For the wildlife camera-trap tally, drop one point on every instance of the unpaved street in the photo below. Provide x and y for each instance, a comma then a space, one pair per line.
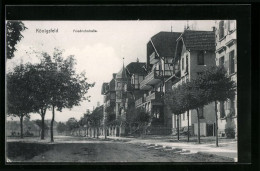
89, 150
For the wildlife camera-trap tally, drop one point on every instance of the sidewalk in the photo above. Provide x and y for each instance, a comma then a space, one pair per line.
227, 148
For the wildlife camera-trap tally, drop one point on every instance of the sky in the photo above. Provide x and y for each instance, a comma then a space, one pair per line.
99, 54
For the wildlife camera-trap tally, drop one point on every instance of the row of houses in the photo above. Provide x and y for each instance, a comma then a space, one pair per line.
172, 59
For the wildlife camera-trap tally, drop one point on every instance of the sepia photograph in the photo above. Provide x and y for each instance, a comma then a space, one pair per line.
121, 91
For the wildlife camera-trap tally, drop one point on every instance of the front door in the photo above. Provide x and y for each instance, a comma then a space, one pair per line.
209, 129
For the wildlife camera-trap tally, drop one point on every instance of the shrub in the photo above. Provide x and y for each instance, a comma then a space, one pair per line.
230, 132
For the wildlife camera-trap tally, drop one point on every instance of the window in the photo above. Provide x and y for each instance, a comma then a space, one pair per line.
119, 84
232, 107
222, 110
232, 25
187, 63
183, 118
221, 61
201, 113
119, 95
136, 82
113, 96
221, 29
182, 63
231, 62
201, 58
141, 78
132, 79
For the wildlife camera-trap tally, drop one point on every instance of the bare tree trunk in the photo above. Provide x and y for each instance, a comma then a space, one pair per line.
188, 115
43, 128
52, 120
216, 124
21, 126
178, 129
198, 125
105, 129
97, 131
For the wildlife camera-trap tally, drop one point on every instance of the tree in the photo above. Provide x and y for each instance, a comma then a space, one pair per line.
19, 96
186, 102
61, 127
96, 119
137, 117
39, 124
66, 88
218, 87
197, 98
39, 78
13, 36
173, 99
72, 124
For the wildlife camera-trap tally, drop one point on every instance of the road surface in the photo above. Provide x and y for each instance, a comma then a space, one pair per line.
89, 150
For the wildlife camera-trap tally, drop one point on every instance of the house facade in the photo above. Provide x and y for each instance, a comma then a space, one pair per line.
226, 56
160, 53
120, 95
195, 51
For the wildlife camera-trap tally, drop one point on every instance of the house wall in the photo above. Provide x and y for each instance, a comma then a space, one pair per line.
193, 69
223, 123
209, 60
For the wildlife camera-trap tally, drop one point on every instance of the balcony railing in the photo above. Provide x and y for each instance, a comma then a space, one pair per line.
139, 101
155, 96
152, 78
154, 58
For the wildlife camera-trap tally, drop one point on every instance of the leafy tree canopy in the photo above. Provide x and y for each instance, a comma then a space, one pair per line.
13, 36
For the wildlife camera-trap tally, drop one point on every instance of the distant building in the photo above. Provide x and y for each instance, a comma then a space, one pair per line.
226, 55
195, 50
120, 94
108, 90
127, 90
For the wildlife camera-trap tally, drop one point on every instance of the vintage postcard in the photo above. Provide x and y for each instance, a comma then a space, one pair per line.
121, 91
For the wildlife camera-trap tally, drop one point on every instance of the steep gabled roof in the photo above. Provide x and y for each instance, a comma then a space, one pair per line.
136, 68
122, 73
199, 40
165, 43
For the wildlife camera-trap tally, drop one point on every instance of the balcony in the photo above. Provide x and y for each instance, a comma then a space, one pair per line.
155, 98
154, 58
152, 78
139, 102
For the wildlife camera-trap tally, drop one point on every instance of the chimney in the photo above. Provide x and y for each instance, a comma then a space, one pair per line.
114, 75
214, 29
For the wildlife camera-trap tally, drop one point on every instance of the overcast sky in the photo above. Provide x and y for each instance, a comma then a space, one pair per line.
99, 53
